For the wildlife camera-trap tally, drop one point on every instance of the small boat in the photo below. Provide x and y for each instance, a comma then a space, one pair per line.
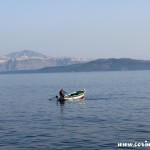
72, 96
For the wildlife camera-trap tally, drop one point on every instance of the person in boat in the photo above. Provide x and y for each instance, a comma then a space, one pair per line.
62, 93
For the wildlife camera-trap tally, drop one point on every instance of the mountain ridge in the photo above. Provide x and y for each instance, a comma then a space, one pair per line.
110, 64
31, 62
27, 53
29, 59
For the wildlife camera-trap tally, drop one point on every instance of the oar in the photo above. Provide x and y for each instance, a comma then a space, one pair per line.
52, 98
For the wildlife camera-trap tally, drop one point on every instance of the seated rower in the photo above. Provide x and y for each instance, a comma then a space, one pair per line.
62, 93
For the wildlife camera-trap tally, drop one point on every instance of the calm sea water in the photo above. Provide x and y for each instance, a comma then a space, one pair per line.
116, 109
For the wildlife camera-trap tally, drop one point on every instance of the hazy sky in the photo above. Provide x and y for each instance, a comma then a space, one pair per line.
80, 28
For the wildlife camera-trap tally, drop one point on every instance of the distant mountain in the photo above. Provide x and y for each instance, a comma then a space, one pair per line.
30, 60
25, 54
111, 64
27, 61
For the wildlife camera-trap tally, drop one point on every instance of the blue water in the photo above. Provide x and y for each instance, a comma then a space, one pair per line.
116, 109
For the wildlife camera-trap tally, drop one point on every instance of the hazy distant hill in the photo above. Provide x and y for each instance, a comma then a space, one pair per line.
111, 64
25, 54
29, 60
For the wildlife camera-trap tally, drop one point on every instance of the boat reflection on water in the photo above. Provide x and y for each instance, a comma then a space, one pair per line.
62, 103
